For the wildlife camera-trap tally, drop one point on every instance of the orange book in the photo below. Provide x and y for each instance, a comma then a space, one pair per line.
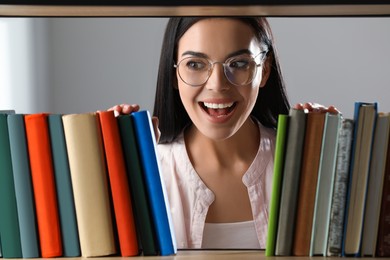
42, 175
119, 184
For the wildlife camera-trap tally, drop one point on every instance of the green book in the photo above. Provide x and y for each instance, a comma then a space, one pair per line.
23, 186
68, 222
9, 225
276, 184
137, 187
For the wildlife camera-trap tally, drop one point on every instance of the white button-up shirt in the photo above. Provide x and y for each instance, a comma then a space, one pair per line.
190, 199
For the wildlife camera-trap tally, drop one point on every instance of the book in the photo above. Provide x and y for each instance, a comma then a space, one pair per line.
325, 185
281, 133
89, 180
290, 183
42, 175
308, 183
64, 189
155, 186
23, 186
337, 212
375, 184
364, 116
119, 184
142, 214
9, 224
383, 242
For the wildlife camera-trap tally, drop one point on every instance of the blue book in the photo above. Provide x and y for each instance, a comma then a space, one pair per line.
68, 222
364, 118
23, 186
155, 186
9, 224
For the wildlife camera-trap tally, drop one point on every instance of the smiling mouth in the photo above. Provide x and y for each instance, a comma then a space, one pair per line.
218, 109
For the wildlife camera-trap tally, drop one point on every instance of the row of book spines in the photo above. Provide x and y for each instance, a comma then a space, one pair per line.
83, 178
305, 246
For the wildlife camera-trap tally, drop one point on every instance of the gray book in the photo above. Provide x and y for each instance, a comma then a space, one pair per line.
66, 208
337, 212
23, 186
290, 185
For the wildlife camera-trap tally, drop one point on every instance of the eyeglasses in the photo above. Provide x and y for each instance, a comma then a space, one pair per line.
240, 70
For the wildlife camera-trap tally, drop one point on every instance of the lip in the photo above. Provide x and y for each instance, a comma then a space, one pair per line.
221, 118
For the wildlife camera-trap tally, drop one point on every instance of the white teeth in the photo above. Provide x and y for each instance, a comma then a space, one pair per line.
216, 106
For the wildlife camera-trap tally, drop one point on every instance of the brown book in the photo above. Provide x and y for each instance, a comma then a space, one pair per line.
308, 183
383, 241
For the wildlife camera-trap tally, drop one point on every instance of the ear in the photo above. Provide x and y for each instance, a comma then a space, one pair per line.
266, 71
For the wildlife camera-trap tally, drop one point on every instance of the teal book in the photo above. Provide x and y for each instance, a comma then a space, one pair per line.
23, 186
68, 222
290, 182
277, 178
9, 224
141, 211
155, 186
365, 117
325, 185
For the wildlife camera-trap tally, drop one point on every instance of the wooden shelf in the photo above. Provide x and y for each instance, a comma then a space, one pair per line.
10, 10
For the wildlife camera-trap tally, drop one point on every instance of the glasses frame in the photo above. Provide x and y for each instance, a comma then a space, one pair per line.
225, 68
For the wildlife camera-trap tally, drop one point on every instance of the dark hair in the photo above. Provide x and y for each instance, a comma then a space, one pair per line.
272, 98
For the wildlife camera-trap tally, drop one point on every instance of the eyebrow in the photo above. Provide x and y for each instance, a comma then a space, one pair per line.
202, 55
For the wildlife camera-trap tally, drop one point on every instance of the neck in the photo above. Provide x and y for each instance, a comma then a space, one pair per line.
240, 147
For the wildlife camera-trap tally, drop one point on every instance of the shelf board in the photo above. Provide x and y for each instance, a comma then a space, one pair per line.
20, 10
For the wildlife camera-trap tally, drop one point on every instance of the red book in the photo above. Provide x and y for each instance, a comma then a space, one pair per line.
119, 184
42, 175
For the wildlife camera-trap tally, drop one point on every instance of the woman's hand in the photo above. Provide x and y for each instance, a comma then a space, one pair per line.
125, 109
317, 108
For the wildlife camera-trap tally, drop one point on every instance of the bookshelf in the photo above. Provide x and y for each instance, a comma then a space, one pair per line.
191, 8
143, 9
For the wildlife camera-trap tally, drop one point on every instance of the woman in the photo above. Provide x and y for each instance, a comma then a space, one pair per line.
218, 95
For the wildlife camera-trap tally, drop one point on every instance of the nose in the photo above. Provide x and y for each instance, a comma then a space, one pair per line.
217, 80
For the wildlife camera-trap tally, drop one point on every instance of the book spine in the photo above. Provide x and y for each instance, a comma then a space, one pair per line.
119, 184
154, 183
325, 185
276, 184
42, 172
336, 224
142, 213
383, 241
89, 180
9, 225
23, 186
68, 222
308, 183
290, 183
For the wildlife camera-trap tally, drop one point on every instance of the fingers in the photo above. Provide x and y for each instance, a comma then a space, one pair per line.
315, 107
124, 109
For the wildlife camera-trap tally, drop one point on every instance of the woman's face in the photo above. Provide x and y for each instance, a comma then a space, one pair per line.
219, 108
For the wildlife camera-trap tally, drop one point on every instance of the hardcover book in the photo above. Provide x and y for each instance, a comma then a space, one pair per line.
119, 184
155, 186
68, 222
89, 180
23, 186
9, 225
42, 172
277, 178
365, 115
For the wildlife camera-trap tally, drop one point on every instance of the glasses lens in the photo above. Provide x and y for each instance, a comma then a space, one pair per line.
240, 70
194, 71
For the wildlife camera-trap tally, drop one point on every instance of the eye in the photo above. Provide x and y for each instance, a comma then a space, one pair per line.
196, 64
239, 63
